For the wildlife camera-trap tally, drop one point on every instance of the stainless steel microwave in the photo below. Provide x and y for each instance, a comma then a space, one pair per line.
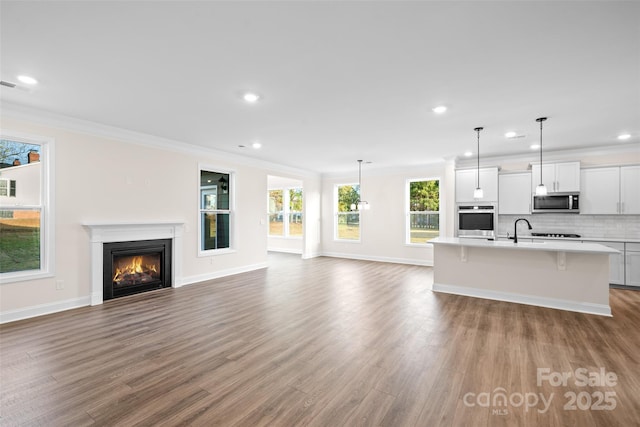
556, 202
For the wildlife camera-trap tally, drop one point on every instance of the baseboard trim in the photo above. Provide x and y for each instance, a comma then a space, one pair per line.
285, 250
311, 255
190, 280
425, 263
580, 307
42, 309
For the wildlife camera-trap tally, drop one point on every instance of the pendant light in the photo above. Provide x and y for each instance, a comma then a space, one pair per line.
361, 204
478, 193
541, 190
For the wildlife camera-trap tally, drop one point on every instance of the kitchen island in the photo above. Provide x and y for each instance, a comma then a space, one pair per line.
563, 275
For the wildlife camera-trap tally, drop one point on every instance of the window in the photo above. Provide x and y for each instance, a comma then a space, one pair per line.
26, 218
295, 212
423, 210
276, 213
8, 187
216, 210
347, 220
285, 212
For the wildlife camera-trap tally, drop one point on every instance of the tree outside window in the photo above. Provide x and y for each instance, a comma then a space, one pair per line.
285, 212
347, 220
423, 218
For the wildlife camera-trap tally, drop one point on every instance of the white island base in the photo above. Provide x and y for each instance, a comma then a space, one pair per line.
564, 275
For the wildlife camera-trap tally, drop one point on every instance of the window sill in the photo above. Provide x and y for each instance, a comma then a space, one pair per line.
23, 276
215, 252
346, 241
285, 237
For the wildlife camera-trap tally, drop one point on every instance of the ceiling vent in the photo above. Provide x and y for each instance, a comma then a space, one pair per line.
14, 86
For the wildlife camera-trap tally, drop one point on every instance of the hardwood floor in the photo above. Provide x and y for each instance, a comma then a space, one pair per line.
321, 342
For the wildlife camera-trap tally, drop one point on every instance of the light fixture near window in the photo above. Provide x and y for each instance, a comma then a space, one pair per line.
361, 204
478, 193
223, 184
541, 190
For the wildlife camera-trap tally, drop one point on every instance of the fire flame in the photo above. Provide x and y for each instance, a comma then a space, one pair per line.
134, 267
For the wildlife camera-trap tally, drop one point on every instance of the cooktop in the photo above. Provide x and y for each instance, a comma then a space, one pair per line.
570, 235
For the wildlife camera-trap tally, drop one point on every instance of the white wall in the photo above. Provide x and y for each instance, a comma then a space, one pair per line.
101, 179
382, 228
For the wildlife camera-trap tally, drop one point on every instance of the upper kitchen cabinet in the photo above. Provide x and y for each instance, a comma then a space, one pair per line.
630, 189
466, 182
514, 193
610, 191
557, 177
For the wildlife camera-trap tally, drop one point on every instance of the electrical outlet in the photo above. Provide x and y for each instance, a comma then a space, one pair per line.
59, 284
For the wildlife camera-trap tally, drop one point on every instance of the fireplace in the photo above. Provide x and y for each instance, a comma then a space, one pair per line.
136, 266
104, 233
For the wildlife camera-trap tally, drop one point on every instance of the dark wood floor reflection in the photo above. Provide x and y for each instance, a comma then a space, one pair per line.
324, 342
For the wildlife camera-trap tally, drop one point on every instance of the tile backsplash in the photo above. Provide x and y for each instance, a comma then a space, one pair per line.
591, 226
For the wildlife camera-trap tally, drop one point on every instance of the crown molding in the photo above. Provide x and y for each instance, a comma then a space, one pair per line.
425, 169
551, 156
47, 118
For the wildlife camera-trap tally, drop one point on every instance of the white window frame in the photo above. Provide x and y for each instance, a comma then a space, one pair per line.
337, 214
408, 212
231, 211
46, 207
286, 211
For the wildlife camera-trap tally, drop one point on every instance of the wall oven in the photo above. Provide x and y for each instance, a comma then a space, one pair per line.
477, 221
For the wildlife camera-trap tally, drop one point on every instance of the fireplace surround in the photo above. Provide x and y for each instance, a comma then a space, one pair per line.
103, 234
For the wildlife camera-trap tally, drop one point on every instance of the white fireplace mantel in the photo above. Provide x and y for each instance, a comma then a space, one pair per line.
104, 232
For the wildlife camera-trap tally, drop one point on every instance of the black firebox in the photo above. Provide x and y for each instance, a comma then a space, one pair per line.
137, 266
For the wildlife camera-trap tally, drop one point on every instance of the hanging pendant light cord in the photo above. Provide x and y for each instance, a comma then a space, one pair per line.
359, 181
478, 184
540, 152
540, 120
478, 129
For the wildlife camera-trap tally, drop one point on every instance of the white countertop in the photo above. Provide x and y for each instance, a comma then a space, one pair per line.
556, 246
577, 239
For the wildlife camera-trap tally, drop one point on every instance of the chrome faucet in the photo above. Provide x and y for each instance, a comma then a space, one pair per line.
515, 228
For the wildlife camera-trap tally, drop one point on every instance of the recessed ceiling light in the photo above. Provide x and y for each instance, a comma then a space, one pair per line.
256, 145
28, 80
624, 136
251, 97
510, 134
439, 109
534, 146
468, 154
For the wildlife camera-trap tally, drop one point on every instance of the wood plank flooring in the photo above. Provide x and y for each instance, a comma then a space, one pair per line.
321, 342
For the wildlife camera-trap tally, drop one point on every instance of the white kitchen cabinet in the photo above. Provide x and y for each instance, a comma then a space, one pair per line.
611, 190
514, 193
616, 263
632, 264
630, 190
557, 177
466, 182
600, 191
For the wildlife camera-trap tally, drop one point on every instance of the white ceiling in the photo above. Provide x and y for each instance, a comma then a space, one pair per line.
340, 81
